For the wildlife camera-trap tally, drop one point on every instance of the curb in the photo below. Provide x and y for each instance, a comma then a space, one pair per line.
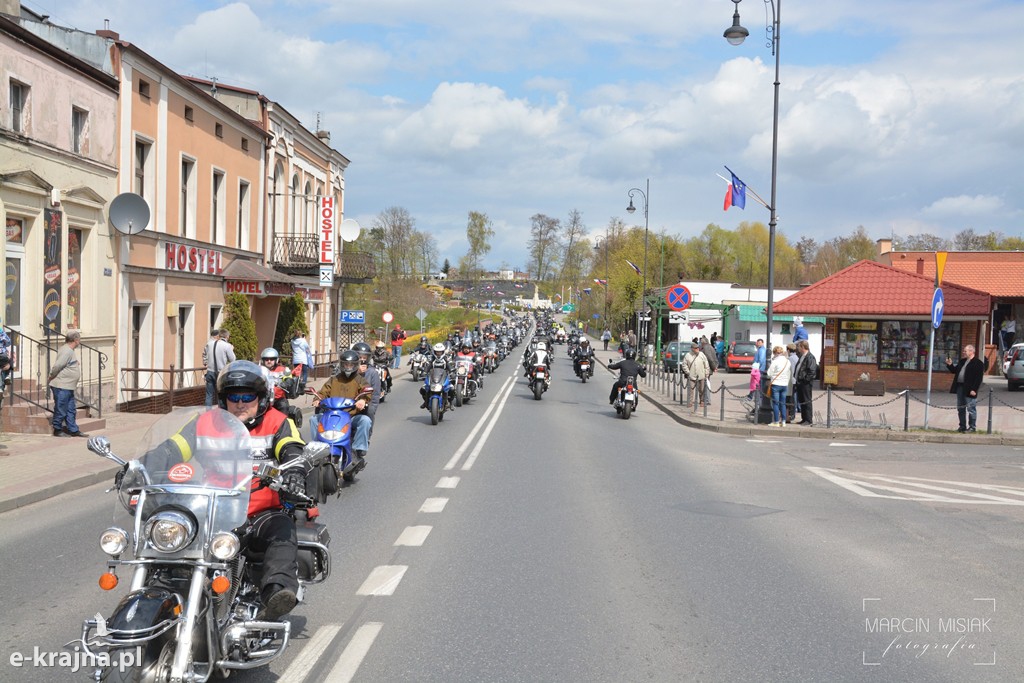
57, 489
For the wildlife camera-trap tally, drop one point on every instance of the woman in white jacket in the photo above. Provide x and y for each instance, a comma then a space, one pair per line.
779, 373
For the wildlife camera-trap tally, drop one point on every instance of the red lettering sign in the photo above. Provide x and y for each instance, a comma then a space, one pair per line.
193, 259
326, 209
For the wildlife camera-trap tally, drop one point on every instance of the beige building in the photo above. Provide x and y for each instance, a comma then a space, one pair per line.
58, 171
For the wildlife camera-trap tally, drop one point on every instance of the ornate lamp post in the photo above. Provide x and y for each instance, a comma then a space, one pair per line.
736, 34
643, 292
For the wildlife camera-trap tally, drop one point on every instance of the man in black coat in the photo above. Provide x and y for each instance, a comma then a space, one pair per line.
804, 375
966, 384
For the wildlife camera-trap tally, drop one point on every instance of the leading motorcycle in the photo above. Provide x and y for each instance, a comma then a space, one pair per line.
440, 393
628, 398
180, 532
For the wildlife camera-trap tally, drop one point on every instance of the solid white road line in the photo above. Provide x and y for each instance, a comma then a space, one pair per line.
447, 482
433, 505
348, 663
414, 535
840, 443
487, 432
480, 423
310, 654
383, 580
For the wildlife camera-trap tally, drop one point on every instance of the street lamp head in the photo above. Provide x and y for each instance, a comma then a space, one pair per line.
736, 34
631, 209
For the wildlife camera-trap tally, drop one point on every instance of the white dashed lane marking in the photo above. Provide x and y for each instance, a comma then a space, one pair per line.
433, 505
310, 654
348, 663
447, 482
414, 536
383, 580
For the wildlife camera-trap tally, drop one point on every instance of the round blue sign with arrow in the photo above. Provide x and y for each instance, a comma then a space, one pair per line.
938, 303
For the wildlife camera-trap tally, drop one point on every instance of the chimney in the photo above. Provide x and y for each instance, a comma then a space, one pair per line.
105, 32
11, 8
884, 246
324, 135
920, 266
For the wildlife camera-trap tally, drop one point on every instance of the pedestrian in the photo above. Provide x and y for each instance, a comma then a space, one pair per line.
806, 372
300, 357
720, 350
397, 339
217, 353
755, 381
709, 352
65, 374
969, 373
779, 372
761, 355
1008, 332
791, 354
606, 337
697, 371
799, 331
631, 339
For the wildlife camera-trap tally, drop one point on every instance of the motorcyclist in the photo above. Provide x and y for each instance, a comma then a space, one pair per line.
348, 383
540, 356
382, 360
424, 345
583, 350
372, 375
440, 355
627, 367
243, 391
280, 377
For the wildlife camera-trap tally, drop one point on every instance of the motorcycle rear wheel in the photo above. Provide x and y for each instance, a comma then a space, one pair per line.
583, 376
627, 410
538, 389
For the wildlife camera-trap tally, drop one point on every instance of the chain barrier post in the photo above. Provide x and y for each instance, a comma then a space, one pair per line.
828, 410
990, 407
721, 405
906, 409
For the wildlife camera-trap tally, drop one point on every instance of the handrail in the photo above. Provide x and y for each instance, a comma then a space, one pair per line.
172, 380
33, 359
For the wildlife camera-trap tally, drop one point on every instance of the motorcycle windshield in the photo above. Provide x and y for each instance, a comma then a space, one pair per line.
437, 376
191, 478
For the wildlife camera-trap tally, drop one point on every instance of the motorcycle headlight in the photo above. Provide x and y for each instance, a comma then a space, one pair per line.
331, 435
224, 545
113, 541
435, 387
170, 531
462, 370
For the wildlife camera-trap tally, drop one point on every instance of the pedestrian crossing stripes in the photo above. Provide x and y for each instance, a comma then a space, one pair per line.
920, 489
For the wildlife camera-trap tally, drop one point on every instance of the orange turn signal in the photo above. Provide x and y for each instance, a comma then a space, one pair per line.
108, 581
220, 584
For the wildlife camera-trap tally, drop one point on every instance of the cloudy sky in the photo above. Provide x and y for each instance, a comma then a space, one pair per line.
903, 116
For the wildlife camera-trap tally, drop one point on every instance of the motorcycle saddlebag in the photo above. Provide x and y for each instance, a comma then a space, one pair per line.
311, 562
323, 481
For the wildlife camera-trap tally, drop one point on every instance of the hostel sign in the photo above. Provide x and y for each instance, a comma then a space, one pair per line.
326, 214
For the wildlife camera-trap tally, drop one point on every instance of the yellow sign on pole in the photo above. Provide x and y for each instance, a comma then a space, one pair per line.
940, 265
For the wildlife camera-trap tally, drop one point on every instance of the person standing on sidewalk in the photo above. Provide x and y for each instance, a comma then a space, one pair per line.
779, 373
606, 337
697, 371
806, 372
217, 354
300, 356
65, 374
969, 373
397, 339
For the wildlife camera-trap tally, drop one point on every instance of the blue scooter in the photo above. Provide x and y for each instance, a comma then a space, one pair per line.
439, 388
332, 425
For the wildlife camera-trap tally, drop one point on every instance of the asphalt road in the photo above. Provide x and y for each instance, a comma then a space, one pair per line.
551, 541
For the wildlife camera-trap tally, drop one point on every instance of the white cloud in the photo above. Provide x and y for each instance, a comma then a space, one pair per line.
963, 205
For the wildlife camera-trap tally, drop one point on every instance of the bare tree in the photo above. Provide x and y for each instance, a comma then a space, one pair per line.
392, 231
543, 244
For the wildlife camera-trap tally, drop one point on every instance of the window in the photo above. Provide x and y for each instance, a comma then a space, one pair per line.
904, 345
184, 330
79, 130
243, 214
144, 89
142, 154
245, 144
189, 114
858, 342
214, 317
188, 198
217, 209
296, 216
307, 210
218, 130
19, 107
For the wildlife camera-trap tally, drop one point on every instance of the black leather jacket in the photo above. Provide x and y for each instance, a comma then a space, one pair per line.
628, 368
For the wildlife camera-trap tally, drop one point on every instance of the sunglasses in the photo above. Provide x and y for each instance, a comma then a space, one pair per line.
242, 398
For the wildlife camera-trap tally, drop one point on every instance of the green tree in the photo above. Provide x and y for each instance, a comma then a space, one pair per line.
479, 231
543, 244
291, 318
239, 322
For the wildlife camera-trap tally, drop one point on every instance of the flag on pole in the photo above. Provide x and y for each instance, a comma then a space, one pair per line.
558, 296
737, 195
586, 290
600, 281
634, 267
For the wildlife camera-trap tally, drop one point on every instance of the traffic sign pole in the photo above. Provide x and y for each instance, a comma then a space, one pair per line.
938, 304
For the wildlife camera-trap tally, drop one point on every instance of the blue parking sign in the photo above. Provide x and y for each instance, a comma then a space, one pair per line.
353, 317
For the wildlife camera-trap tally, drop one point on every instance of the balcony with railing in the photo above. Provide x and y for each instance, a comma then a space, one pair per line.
300, 255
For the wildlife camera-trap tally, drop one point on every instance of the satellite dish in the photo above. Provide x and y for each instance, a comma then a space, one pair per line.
349, 230
128, 213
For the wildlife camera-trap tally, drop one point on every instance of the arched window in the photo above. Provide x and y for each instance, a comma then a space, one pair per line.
277, 200
296, 203
307, 214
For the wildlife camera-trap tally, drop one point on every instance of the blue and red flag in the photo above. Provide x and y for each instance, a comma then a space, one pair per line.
634, 267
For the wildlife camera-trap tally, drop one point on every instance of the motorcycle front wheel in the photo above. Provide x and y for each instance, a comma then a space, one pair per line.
458, 398
435, 412
155, 667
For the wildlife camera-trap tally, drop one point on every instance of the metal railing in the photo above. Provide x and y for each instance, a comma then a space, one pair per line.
161, 381
33, 359
302, 252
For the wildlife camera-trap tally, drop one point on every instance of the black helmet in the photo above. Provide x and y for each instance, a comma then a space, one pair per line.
348, 363
363, 350
466, 345
244, 377
631, 353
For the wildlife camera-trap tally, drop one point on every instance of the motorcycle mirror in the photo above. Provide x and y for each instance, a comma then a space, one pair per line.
100, 445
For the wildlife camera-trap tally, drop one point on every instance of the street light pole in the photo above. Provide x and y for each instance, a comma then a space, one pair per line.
643, 292
735, 34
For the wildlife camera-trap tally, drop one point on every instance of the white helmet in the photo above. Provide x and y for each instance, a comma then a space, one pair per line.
439, 349
541, 346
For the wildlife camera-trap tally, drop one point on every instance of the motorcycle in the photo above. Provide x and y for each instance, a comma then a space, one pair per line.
385, 378
181, 530
439, 390
628, 399
419, 365
465, 382
491, 357
539, 379
332, 424
585, 369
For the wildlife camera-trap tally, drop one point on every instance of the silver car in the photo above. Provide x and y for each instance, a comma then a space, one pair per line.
1013, 367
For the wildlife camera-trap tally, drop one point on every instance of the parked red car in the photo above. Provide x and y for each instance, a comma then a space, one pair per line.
740, 356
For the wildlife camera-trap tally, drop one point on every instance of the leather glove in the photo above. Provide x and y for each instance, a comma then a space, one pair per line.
119, 477
293, 484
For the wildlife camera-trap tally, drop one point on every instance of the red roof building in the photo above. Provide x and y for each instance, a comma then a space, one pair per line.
879, 323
